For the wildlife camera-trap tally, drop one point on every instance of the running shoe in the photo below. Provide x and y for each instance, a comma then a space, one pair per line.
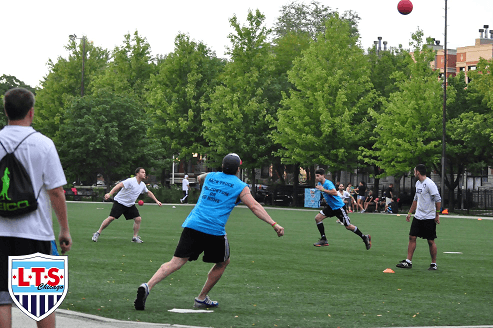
142, 293
207, 303
367, 240
95, 236
137, 240
321, 242
404, 264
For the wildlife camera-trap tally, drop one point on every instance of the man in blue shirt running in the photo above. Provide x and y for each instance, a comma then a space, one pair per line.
335, 207
204, 229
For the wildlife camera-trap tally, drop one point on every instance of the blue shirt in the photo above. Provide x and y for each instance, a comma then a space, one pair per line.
335, 202
216, 201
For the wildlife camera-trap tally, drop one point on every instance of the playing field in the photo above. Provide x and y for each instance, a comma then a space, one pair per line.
285, 282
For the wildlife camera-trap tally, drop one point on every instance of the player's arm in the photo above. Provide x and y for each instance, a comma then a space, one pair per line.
201, 179
114, 190
257, 209
151, 195
332, 192
57, 199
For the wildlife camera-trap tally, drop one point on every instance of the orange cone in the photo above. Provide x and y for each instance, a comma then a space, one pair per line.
388, 270
445, 211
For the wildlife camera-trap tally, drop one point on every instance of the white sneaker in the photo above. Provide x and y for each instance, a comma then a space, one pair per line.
137, 240
95, 236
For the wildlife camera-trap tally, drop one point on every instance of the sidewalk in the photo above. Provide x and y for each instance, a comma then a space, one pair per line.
72, 319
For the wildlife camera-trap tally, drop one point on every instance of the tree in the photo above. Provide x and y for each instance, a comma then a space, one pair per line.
63, 83
130, 69
104, 133
331, 97
310, 19
408, 130
177, 94
8, 82
237, 119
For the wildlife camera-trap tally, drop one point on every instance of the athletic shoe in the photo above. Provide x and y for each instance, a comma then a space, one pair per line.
95, 236
142, 293
207, 303
362, 211
339, 221
137, 240
321, 242
181, 201
404, 264
433, 267
367, 240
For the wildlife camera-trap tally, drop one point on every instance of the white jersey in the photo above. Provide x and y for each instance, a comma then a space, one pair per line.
184, 184
426, 195
40, 158
130, 192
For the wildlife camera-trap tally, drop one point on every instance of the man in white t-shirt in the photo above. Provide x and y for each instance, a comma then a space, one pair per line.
31, 232
125, 203
184, 186
427, 203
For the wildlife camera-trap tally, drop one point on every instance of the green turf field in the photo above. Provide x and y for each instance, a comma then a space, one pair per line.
285, 282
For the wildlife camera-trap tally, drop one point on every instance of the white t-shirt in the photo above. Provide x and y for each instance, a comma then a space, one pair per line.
344, 194
40, 159
184, 184
426, 195
130, 192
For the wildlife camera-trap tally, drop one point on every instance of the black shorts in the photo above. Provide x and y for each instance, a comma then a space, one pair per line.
340, 213
193, 243
426, 229
118, 209
13, 246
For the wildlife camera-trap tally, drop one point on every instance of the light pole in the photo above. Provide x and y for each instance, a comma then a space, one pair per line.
73, 37
444, 115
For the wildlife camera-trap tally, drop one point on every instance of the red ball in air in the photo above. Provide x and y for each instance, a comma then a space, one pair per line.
405, 7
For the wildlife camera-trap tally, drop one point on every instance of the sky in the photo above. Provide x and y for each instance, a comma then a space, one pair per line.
35, 31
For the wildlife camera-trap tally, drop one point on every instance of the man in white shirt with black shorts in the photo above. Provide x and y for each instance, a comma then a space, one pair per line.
427, 203
125, 203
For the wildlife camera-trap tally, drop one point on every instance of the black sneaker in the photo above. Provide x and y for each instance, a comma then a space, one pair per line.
404, 265
142, 293
321, 242
433, 267
367, 240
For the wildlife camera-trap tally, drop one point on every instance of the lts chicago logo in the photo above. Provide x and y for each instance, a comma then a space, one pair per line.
38, 283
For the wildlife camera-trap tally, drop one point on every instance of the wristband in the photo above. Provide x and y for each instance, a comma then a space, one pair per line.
273, 224
409, 213
438, 211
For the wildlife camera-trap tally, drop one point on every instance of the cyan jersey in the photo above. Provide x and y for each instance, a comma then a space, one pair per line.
335, 202
216, 201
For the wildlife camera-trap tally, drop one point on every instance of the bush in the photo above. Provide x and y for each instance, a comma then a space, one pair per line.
171, 195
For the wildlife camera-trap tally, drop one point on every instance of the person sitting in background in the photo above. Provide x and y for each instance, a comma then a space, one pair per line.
369, 200
393, 207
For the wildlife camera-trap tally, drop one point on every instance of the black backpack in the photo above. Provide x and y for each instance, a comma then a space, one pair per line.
17, 194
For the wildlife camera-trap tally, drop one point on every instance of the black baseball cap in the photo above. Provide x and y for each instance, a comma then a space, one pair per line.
231, 162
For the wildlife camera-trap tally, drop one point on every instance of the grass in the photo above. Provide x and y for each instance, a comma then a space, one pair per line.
285, 282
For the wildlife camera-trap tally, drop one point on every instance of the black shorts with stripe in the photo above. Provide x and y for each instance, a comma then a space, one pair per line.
193, 243
340, 213
426, 229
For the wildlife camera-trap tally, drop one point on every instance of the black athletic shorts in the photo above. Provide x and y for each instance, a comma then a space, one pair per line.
193, 243
118, 209
13, 246
340, 213
426, 229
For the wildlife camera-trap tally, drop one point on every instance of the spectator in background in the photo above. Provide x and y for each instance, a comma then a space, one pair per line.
389, 194
393, 207
361, 190
100, 180
369, 200
184, 187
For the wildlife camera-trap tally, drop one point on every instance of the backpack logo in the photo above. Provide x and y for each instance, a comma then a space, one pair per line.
38, 283
5, 185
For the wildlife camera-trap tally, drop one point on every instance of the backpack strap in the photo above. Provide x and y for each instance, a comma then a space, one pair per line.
24, 139
19, 142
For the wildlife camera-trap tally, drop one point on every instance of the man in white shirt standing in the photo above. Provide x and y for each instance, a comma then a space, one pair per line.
30, 232
427, 203
184, 186
125, 203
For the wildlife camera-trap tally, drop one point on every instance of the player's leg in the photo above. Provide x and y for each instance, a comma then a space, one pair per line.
48, 322
136, 227
6, 315
320, 226
344, 218
213, 277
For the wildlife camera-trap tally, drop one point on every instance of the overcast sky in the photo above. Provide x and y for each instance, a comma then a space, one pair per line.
35, 31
